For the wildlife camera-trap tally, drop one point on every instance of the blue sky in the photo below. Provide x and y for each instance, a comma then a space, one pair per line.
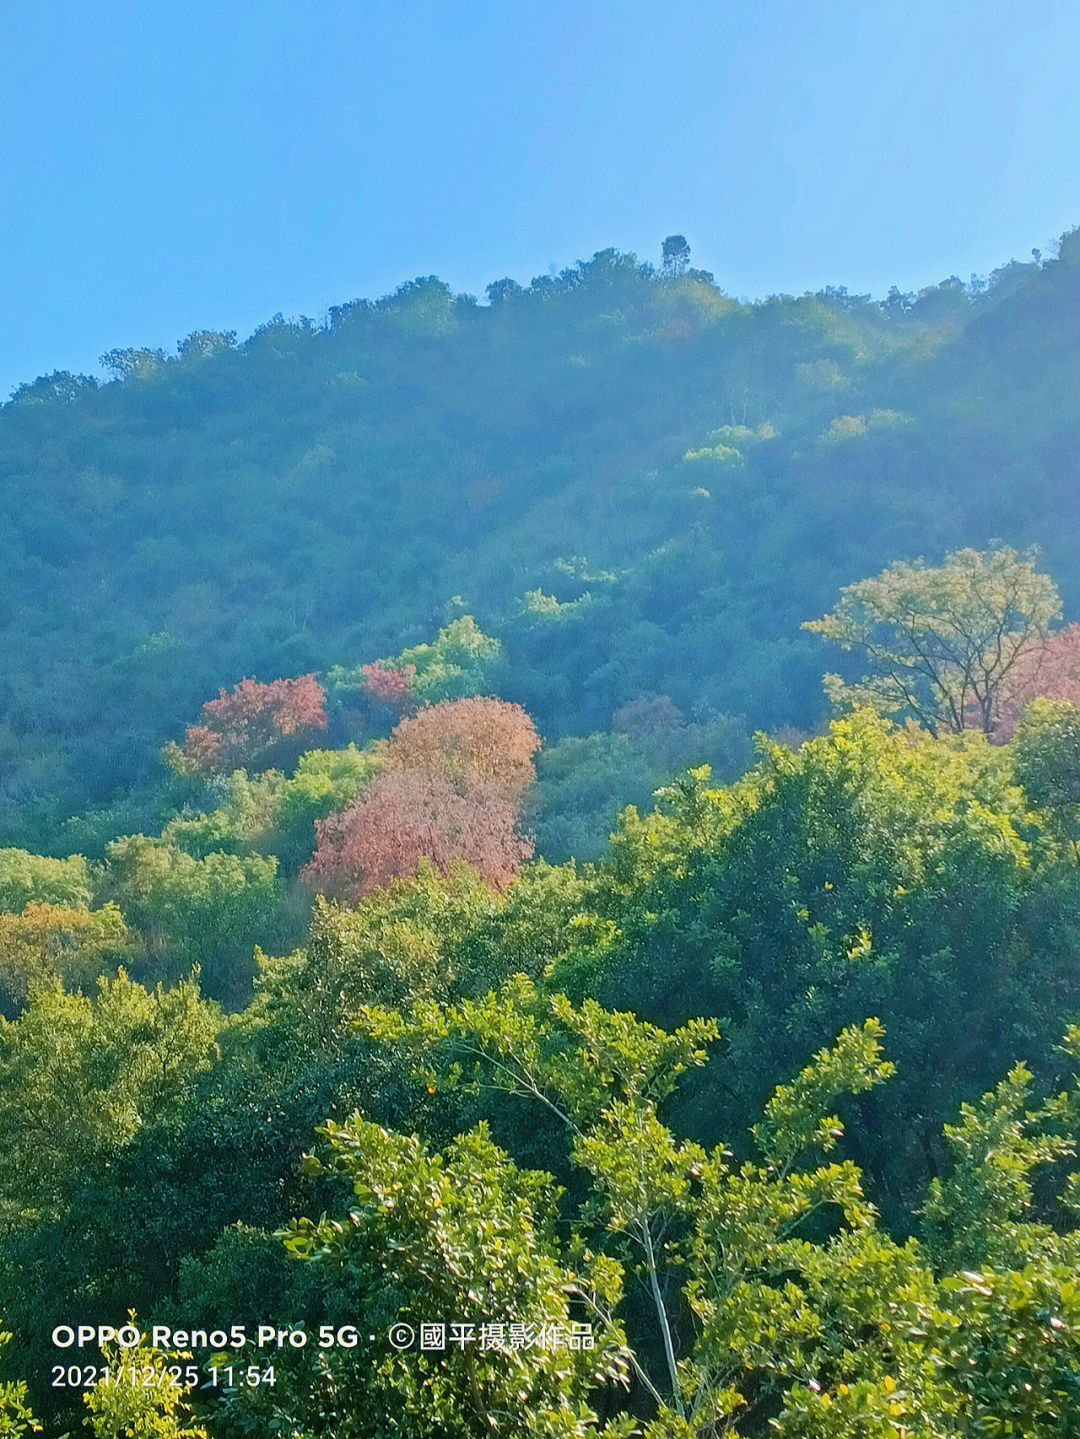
169, 166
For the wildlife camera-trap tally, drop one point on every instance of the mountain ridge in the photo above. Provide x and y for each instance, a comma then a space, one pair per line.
640, 485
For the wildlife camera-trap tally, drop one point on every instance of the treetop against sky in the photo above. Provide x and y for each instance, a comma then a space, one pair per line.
289, 158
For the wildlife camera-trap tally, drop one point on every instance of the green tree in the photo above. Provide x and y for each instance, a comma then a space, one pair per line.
402, 944
93, 1091
1046, 760
81, 1075
133, 364
201, 344
209, 912
872, 870
36, 878
324, 781
797, 1315
675, 255
458, 664
942, 643
73, 945
474, 1242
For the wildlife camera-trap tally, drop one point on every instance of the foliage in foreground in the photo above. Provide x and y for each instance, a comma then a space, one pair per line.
765, 1296
517, 1123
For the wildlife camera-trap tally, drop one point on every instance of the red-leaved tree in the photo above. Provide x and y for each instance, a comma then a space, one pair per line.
248, 723
389, 686
452, 790
407, 816
1050, 670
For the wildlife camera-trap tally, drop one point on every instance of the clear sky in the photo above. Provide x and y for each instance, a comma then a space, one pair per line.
168, 165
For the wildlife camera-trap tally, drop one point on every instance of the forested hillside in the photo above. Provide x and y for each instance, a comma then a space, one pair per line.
639, 485
425, 1010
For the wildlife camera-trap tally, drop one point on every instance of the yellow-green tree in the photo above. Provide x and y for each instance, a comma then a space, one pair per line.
143, 1395
942, 643
16, 1416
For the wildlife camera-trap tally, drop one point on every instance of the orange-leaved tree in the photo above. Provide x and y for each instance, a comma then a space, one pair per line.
47, 942
471, 743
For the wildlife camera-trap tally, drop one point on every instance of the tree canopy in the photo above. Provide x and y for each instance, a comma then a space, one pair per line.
948, 644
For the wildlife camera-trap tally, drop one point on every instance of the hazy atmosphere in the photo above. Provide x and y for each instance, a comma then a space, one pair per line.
540, 721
